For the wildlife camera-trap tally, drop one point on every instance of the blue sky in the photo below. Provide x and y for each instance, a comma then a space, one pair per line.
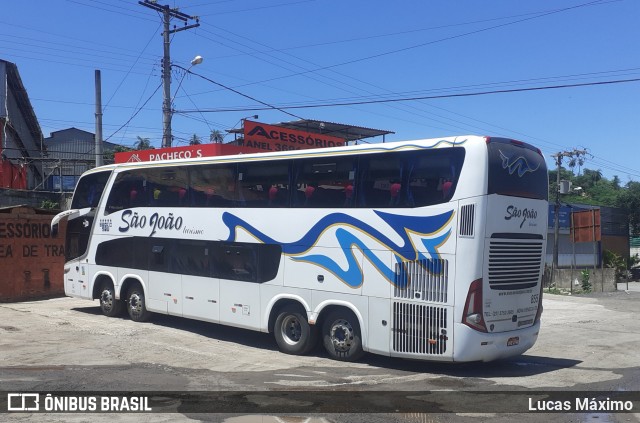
322, 52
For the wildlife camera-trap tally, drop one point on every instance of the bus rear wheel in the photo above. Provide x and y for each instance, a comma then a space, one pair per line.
136, 304
341, 336
293, 333
109, 306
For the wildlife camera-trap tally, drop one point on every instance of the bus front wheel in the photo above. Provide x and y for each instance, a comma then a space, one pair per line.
341, 336
109, 306
136, 304
293, 333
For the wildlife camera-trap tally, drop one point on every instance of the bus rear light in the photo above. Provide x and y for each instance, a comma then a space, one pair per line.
472, 316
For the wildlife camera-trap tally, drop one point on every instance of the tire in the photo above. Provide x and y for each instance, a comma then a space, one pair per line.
341, 336
294, 335
109, 306
137, 305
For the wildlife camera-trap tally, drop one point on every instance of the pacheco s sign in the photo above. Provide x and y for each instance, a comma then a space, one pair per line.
264, 137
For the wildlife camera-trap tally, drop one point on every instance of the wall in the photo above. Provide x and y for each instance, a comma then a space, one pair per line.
566, 279
34, 199
31, 259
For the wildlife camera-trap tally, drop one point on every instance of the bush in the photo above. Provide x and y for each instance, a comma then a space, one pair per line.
586, 285
49, 205
617, 262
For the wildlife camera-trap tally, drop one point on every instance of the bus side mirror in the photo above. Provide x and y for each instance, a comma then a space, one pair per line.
54, 230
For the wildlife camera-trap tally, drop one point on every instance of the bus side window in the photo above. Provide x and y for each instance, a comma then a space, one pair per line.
236, 262
191, 257
325, 182
432, 175
128, 191
168, 186
213, 186
381, 183
264, 184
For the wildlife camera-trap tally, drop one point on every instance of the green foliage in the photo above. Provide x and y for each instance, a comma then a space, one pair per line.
617, 262
49, 205
195, 140
556, 291
586, 285
594, 189
142, 144
109, 156
216, 136
629, 201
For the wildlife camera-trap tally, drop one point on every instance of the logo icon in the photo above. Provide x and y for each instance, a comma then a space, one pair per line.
23, 402
105, 224
519, 164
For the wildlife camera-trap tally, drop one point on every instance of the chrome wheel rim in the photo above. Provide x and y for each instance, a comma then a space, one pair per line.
106, 300
135, 303
291, 330
342, 335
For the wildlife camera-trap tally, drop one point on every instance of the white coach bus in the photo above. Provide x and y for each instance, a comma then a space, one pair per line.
428, 249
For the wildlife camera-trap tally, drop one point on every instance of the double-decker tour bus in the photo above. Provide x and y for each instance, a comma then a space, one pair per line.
429, 249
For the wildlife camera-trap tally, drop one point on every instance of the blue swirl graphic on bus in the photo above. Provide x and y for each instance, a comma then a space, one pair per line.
432, 231
519, 164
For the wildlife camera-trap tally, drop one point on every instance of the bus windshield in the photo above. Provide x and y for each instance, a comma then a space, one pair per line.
89, 190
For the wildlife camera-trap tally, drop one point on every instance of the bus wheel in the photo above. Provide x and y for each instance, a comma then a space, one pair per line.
108, 304
136, 306
341, 336
293, 333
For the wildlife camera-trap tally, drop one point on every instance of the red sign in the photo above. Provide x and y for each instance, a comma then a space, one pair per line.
261, 138
173, 153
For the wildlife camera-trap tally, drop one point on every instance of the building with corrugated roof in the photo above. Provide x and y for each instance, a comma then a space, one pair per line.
21, 141
70, 152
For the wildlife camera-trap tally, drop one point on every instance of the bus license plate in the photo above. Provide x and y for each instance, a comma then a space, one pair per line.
513, 341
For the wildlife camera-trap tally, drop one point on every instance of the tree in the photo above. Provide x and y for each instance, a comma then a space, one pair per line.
216, 136
615, 182
629, 201
195, 140
109, 156
142, 144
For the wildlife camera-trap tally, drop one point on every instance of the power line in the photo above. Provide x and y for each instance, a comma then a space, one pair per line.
405, 32
269, 106
129, 71
168, 14
135, 114
449, 38
391, 93
259, 8
395, 100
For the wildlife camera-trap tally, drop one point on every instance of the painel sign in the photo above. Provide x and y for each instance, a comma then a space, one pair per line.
262, 137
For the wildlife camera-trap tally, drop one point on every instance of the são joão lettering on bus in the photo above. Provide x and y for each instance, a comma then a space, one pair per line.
156, 221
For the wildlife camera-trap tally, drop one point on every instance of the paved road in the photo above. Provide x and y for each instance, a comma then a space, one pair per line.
629, 286
588, 344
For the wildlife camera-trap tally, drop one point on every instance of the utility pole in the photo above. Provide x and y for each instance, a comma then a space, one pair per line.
556, 209
98, 119
167, 14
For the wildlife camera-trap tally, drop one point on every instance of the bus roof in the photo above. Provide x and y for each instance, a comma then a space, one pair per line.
456, 141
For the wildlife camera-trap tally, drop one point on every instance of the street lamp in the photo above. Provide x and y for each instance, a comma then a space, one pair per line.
168, 108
